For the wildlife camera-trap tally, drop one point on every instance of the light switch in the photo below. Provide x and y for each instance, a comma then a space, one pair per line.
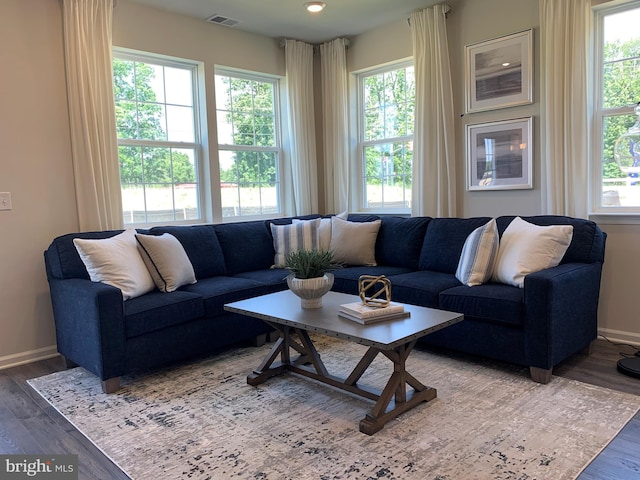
5, 200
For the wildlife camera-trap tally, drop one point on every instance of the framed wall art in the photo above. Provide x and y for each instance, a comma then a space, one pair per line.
499, 72
499, 155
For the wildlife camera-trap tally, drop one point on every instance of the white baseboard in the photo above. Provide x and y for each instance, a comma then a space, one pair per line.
619, 336
29, 356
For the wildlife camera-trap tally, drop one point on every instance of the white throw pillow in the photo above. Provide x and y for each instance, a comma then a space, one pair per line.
325, 229
526, 248
293, 237
354, 243
166, 261
116, 262
479, 255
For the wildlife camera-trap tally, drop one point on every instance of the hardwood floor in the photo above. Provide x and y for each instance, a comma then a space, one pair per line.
29, 425
621, 459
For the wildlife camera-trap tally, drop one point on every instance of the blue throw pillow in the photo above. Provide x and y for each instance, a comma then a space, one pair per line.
444, 240
400, 241
247, 246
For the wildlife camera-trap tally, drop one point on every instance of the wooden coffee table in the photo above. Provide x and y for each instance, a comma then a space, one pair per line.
394, 339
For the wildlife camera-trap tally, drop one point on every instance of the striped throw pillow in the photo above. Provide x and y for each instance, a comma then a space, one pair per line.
479, 255
294, 237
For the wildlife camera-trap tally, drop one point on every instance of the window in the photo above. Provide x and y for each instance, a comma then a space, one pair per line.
249, 146
617, 63
158, 141
386, 106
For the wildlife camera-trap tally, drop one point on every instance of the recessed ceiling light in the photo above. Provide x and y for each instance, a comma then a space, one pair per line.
315, 7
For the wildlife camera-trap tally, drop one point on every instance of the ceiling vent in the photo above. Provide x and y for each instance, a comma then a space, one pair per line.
221, 20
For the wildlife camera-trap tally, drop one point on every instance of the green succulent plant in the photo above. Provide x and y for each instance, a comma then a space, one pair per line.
310, 263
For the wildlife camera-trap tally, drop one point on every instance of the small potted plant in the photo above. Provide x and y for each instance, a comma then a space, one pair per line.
310, 276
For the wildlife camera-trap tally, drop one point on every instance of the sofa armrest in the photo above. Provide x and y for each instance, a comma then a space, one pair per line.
561, 312
90, 330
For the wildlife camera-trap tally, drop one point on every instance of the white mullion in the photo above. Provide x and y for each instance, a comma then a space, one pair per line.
405, 138
156, 143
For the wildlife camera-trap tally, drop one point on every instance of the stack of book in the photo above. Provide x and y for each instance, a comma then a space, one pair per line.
364, 314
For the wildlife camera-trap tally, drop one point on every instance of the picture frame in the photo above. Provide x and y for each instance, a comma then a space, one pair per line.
499, 72
499, 155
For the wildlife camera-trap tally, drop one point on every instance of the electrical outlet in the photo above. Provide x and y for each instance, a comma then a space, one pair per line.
5, 201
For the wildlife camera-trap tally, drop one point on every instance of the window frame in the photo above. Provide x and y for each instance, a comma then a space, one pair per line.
599, 114
196, 145
358, 184
277, 149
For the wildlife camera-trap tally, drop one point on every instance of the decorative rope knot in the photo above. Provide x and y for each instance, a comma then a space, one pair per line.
381, 288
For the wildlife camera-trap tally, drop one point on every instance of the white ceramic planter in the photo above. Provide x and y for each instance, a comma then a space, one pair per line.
310, 290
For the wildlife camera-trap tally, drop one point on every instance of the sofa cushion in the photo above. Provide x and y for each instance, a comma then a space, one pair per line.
275, 278
216, 291
479, 255
201, 244
246, 246
527, 248
492, 302
116, 261
291, 238
444, 240
400, 241
587, 244
166, 261
421, 288
362, 217
345, 280
157, 310
354, 243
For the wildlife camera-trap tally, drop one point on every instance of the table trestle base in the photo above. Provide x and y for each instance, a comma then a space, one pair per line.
401, 393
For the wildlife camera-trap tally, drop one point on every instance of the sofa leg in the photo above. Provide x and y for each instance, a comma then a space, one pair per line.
273, 335
588, 350
68, 363
540, 375
110, 385
260, 340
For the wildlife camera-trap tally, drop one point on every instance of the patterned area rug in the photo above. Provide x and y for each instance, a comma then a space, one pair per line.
202, 421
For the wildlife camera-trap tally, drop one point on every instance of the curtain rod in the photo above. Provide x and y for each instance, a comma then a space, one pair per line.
447, 9
347, 42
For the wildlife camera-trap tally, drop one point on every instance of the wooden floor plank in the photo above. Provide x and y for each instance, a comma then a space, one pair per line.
620, 460
29, 424
14, 436
36, 427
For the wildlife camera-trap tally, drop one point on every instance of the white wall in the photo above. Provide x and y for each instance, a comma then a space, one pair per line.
473, 22
151, 30
35, 166
619, 318
35, 163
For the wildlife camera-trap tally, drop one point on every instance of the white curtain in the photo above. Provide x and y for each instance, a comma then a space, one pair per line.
564, 27
299, 75
434, 173
336, 124
87, 47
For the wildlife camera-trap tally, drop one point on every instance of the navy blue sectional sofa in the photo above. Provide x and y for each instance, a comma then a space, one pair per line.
553, 317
